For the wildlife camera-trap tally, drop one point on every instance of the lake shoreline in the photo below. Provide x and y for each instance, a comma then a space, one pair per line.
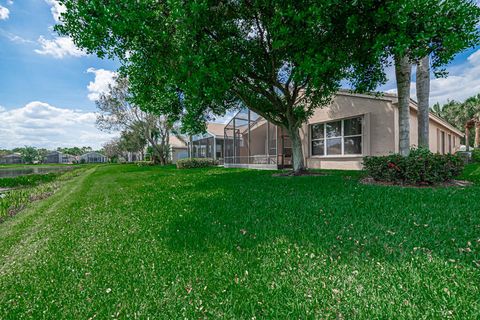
31, 170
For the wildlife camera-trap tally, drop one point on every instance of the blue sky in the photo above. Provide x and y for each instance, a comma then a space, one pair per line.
26, 75
48, 86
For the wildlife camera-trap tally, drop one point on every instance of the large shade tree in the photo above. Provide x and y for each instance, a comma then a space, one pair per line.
133, 139
118, 113
282, 59
112, 150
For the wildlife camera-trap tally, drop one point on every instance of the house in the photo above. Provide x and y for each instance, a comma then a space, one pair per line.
133, 156
14, 158
59, 157
334, 137
178, 149
93, 157
209, 144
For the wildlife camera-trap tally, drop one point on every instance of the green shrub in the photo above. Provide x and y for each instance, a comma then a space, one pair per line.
420, 167
145, 163
196, 163
476, 155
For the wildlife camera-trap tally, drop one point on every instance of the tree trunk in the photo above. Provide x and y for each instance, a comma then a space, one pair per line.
190, 147
297, 151
403, 72
160, 151
477, 134
423, 95
467, 137
157, 154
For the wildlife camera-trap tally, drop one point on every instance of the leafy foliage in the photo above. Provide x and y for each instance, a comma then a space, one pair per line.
27, 180
113, 149
75, 151
119, 112
29, 154
195, 163
420, 167
476, 155
417, 28
133, 140
144, 163
463, 115
282, 59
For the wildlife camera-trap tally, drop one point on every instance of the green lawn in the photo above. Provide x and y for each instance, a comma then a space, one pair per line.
123, 241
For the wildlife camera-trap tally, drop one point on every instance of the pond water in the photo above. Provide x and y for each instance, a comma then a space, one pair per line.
22, 171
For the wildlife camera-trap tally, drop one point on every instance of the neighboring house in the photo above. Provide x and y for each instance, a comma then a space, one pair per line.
59, 157
134, 156
335, 137
14, 158
178, 149
209, 144
93, 157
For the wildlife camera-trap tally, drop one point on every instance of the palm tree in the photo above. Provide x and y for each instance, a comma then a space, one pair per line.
471, 108
403, 74
423, 97
464, 116
437, 109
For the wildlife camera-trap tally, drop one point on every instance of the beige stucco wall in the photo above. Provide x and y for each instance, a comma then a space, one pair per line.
380, 130
379, 122
435, 133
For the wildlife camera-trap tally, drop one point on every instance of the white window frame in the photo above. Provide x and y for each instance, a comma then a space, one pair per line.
342, 137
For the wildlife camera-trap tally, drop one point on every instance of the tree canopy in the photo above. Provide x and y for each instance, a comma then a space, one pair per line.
423, 32
280, 58
119, 112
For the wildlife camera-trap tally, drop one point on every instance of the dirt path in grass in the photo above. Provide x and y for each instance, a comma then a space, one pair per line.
23, 236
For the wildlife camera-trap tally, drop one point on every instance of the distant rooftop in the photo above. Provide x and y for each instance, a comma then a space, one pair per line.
216, 129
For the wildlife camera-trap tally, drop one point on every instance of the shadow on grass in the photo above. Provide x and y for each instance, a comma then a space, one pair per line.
240, 211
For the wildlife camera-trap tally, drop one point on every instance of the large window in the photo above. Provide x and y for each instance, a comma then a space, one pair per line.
342, 137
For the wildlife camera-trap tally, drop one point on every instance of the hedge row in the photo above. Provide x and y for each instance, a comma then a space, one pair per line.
420, 167
476, 155
196, 163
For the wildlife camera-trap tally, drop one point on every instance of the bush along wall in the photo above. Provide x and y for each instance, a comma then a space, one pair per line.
476, 155
196, 163
420, 167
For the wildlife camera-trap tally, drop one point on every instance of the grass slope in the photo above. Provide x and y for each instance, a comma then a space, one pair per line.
138, 242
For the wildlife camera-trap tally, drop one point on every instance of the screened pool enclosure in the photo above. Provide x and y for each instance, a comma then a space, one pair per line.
253, 142
209, 144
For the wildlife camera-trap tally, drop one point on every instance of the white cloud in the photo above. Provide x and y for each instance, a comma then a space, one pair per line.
463, 81
59, 47
57, 9
14, 38
4, 13
42, 125
103, 79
